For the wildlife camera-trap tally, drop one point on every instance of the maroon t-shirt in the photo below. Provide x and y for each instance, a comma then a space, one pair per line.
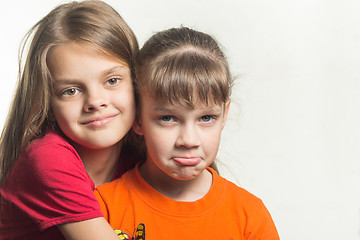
48, 185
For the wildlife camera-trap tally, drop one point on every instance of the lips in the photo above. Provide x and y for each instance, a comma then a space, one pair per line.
99, 122
187, 161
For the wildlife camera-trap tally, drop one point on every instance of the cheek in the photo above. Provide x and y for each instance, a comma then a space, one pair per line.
158, 142
64, 113
125, 99
155, 139
211, 142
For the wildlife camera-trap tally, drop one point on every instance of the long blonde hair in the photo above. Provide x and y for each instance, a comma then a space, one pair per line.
89, 22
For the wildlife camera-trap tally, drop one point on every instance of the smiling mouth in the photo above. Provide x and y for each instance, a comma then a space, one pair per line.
99, 122
187, 161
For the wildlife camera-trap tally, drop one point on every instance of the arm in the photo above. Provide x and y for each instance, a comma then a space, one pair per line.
56, 190
93, 229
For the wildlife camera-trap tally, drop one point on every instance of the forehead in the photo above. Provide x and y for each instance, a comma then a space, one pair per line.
82, 49
72, 58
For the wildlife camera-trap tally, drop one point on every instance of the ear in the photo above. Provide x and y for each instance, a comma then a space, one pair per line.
226, 113
137, 127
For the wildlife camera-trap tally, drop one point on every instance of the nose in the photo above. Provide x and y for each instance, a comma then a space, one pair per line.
95, 100
188, 137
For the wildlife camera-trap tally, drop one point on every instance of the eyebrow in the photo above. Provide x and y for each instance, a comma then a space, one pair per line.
175, 109
163, 109
120, 68
59, 82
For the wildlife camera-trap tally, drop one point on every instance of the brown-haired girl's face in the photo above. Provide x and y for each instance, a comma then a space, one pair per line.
93, 103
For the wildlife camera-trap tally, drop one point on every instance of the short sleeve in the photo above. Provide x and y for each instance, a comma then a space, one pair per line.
50, 184
261, 225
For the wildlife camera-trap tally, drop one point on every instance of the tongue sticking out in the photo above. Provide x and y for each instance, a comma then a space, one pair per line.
187, 161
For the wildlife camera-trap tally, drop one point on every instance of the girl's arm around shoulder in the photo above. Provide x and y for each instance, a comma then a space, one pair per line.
49, 182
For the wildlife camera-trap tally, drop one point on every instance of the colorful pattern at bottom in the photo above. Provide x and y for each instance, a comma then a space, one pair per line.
139, 233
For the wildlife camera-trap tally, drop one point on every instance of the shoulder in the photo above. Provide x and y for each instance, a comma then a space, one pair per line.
51, 150
120, 184
50, 158
50, 179
51, 140
241, 202
115, 194
119, 189
237, 194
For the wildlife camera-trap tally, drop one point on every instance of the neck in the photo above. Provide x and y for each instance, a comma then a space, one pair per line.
100, 164
178, 190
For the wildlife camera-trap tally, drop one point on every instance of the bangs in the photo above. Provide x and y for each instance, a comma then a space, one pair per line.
179, 76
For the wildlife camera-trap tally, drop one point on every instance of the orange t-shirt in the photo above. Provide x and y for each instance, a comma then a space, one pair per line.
225, 212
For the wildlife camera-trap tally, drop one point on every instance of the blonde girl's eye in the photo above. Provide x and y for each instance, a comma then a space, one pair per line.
112, 81
167, 119
207, 118
70, 92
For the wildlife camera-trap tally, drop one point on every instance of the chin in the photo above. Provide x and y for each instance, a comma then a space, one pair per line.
185, 176
96, 145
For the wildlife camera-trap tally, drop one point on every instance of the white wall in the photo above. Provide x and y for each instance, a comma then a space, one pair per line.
293, 137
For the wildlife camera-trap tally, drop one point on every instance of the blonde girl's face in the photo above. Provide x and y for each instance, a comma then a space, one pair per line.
181, 142
93, 102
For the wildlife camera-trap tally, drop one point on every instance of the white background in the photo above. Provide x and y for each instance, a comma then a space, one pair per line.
293, 134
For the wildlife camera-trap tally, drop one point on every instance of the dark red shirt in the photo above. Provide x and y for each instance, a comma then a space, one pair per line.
48, 185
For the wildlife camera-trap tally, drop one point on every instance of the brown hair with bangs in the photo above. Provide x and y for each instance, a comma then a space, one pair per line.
177, 64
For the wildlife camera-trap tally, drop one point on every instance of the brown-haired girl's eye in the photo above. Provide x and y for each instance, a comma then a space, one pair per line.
70, 92
112, 81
